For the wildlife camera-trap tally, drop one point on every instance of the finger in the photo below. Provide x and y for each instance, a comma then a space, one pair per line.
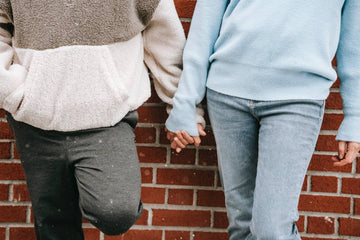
201, 130
180, 138
179, 143
197, 141
342, 147
349, 158
187, 137
166, 130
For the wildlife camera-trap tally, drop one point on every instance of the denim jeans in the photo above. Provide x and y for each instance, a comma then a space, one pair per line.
264, 148
92, 173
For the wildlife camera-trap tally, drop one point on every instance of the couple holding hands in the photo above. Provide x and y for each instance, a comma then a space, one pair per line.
74, 72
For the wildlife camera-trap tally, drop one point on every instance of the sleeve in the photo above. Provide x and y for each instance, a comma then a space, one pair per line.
164, 41
348, 59
11, 75
204, 31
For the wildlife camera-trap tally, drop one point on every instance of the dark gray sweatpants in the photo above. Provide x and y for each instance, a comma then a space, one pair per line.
91, 173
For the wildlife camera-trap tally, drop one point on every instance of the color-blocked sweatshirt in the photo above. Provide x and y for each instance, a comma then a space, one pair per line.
77, 64
271, 50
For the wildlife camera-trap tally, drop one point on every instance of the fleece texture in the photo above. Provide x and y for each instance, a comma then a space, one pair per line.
44, 24
271, 50
88, 84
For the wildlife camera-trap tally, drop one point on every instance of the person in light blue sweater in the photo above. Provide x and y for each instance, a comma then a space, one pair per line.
266, 69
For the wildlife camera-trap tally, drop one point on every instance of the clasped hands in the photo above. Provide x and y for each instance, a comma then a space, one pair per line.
179, 139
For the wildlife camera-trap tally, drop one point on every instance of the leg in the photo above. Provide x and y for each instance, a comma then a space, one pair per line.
108, 175
287, 138
236, 134
50, 182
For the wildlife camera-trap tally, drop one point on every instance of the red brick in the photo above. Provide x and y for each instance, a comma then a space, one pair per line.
326, 143
153, 195
185, 8
16, 153
4, 192
91, 234
321, 225
138, 235
185, 177
357, 206
304, 186
146, 175
5, 150
185, 157
351, 185
334, 101
209, 139
152, 154
324, 204
323, 184
20, 193
208, 157
324, 163
5, 132
163, 139
210, 198
220, 220
143, 220
12, 214
211, 235
332, 121
181, 196
2, 113
188, 218
11, 171
186, 27
154, 97
336, 83
301, 224
22, 233
349, 227
152, 114
177, 235
145, 135
2, 233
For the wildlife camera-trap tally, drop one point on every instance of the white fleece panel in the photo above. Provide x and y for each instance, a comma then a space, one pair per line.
79, 87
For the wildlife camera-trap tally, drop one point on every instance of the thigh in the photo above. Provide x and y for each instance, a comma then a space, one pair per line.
287, 138
107, 169
236, 135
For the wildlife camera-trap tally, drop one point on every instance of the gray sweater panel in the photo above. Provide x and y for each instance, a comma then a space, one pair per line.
47, 24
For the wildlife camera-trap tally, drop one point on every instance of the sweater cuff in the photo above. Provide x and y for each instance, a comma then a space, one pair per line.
183, 117
349, 129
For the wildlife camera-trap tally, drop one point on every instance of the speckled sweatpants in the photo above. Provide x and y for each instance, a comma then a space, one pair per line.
92, 174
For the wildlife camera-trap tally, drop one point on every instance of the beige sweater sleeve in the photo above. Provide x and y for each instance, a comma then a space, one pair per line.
164, 41
11, 75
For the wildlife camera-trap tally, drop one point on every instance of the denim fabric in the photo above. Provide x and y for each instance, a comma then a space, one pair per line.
264, 148
92, 174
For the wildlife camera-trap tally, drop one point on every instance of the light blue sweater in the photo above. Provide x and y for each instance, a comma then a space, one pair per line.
271, 50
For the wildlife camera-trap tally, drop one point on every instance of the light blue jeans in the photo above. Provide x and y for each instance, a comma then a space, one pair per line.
264, 148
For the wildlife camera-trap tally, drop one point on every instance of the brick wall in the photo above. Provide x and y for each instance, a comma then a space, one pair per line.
182, 192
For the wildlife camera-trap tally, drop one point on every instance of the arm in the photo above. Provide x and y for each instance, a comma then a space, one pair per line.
348, 58
205, 27
11, 75
164, 41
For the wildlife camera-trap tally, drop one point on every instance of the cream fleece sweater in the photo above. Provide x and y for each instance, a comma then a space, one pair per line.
79, 85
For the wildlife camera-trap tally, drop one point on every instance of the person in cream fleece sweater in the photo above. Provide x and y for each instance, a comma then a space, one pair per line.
72, 74
266, 69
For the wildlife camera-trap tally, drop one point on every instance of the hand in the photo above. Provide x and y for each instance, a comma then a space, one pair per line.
347, 153
179, 140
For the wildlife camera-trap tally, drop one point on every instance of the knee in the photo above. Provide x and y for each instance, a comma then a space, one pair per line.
116, 219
